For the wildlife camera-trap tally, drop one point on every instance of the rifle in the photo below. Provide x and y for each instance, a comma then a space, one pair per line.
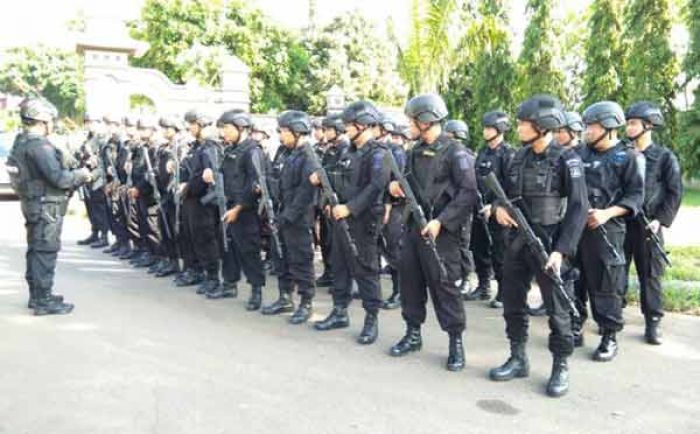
653, 237
266, 204
532, 241
216, 193
151, 177
416, 211
482, 219
332, 198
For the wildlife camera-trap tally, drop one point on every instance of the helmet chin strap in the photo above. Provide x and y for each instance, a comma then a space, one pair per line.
637, 136
489, 139
601, 137
359, 129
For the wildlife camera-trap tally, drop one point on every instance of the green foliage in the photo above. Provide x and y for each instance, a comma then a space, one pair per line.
56, 75
651, 67
537, 64
604, 54
141, 103
688, 143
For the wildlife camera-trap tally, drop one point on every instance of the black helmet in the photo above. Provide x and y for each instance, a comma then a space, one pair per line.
36, 109
130, 120
544, 111
258, 128
335, 122
573, 122
361, 112
170, 122
198, 117
387, 123
296, 121
458, 128
646, 111
606, 113
237, 118
110, 118
496, 119
426, 108
316, 123
147, 122
91, 117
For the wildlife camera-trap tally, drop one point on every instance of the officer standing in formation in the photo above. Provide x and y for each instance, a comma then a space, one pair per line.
193, 208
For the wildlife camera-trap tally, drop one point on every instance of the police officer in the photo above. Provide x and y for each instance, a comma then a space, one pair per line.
360, 186
143, 194
569, 137
441, 175
273, 181
134, 247
458, 130
550, 182
95, 200
43, 184
115, 150
487, 240
663, 189
193, 273
392, 222
297, 202
241, 154
337, 144
615, 193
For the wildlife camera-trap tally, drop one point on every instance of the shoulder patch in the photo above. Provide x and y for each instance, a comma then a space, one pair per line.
620, 157
575, 169
462, 159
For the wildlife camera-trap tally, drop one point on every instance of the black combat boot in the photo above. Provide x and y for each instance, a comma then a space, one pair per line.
113, 248
517, 365
370, 330
255, 299
283, 304
157, 266
303, 312
455, 359
326, 279
558, 383
410, 342
100, 242
537, 311
89, 240
652, 333
225, 290
337, 319
125, 252
607, 350
169, 269
394, 300
46, 304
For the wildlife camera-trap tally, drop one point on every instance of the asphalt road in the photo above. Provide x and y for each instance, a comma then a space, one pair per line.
141, 356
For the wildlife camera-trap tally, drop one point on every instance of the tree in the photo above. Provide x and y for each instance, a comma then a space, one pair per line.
56, 75
352, 53
604, 53
485, 79
688, 144
652, 66
537, 70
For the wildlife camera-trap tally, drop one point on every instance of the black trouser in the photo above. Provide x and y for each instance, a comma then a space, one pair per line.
118, 214
186, 237
467, 260
43, 223
392, 232
518, 271
205, 232
326, 241
578, 285
488, 255
149, 230
650, 268
99, 218
296, 267
419, 273
244, 250
132, 219
604, 278
364, 269
168, 242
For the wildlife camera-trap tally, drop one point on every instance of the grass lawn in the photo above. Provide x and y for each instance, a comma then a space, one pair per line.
691, 197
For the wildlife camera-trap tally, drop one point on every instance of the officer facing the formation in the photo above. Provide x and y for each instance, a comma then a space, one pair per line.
440, 173
337, 144
663, 189
241, 154
360, 184
392, 223
615, 193
43, 185
297, 202
550, 185
488, 239
458, 130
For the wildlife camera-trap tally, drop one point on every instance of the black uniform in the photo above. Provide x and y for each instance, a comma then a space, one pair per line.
119, 204
442, 177
553, 191
96, 199
192, 268
392, 231
663, 189
164, 156
360, 182
146, 207
297, 199
273, 182
44, 201
613, 179
488, 248
245, 243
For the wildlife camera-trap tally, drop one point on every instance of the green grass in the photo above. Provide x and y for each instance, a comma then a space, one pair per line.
681, 284
691, 197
